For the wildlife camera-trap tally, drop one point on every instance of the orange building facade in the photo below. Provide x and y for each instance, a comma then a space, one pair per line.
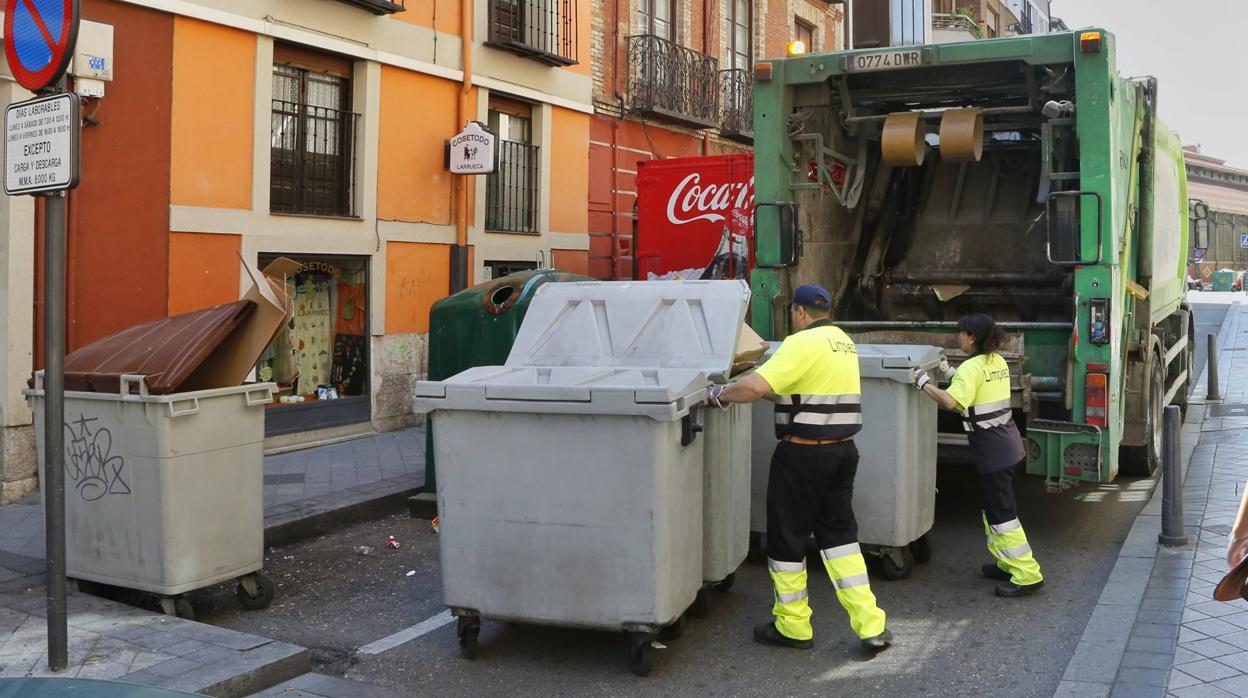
314, 130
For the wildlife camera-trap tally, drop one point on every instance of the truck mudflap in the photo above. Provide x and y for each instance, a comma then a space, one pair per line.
1065, 452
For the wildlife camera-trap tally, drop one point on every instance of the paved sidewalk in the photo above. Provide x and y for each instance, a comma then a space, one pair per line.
1157, 630
305, 492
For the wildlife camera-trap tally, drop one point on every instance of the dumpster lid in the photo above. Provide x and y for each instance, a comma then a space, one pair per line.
591, 390
167, 352
896, 361
633, 324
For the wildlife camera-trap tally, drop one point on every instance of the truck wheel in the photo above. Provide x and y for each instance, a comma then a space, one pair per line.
1142, 461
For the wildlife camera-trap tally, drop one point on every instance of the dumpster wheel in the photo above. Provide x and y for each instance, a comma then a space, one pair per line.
468, 630
921, 549
701, 607
674, 631
726, 583
177, 606
894, 562
255, 591
640, 653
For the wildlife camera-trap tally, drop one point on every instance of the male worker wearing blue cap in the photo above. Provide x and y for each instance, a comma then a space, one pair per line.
811, 485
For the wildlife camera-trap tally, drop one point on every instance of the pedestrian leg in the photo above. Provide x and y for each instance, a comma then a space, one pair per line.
1006, 539
790, 516
837, 534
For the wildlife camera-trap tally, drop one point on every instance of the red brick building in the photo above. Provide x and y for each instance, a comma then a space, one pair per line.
674, 78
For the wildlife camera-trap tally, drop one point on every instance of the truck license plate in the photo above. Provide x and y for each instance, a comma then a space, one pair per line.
885, 60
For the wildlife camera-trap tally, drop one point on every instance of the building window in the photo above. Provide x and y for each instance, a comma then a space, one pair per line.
804, 32
496, 269
320, 361
993, 22
906, 23
544, 30
511, 190
658, 17
740, 34
313, 134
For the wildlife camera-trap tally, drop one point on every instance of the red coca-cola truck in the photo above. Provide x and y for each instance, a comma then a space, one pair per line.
695, 218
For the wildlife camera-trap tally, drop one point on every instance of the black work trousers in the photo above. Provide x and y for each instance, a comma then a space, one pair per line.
996, 495
810, 489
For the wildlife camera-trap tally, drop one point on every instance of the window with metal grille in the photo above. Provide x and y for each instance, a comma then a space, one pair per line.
544, 30
511, 190
313, 143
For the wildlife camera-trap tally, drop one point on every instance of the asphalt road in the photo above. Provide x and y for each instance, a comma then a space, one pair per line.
953, 637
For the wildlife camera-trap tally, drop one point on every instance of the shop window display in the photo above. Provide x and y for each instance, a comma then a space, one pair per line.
322, 354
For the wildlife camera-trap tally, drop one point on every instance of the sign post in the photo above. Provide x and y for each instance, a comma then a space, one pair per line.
41, 158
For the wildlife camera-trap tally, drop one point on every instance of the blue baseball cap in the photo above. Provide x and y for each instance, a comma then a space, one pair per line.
813, 296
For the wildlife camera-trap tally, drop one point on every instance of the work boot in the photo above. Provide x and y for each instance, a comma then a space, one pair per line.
991, 571
879, 643
1010, 590
767, 634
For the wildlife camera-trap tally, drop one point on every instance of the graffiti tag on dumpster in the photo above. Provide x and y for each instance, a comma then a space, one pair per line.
89, 462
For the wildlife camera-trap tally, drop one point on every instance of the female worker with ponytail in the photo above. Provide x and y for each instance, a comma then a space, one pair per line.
981, 392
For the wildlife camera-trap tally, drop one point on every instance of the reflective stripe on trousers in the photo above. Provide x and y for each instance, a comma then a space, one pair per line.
791, 608
848, 570
1008, 544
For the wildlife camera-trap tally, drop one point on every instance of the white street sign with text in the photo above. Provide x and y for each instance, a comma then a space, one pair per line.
41, 144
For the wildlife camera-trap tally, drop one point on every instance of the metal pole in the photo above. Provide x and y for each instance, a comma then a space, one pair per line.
54, 426
1212, 363
1172, 532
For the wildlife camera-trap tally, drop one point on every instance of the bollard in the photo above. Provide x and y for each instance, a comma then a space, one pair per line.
1172, 532
1211, 362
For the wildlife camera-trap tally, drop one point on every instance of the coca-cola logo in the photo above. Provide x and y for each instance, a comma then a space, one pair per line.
692, 201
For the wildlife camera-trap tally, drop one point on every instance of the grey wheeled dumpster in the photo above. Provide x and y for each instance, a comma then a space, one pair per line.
164, 493
895, 487
726, 502
571, 480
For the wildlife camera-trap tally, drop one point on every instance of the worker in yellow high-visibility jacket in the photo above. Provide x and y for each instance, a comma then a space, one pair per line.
811, 484
981, 392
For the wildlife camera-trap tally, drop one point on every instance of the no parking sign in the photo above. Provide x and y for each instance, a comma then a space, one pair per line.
39, 37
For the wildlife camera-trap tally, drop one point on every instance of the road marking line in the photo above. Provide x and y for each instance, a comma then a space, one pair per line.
424, 627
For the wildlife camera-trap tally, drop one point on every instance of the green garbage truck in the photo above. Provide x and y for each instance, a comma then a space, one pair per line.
1020, 177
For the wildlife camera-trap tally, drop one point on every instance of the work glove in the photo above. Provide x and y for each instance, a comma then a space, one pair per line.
712, 395
945, 369
921, 379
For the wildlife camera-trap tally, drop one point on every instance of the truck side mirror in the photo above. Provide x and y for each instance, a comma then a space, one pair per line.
1064, 217
785, 215
1201, 234
1200, 224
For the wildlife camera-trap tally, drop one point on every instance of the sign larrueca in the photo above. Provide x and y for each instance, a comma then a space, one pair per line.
41, 139
472, 151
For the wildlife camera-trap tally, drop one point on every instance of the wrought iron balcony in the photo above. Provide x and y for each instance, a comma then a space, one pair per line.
954, 28
544, 30
379, 7
672, 82
737, 98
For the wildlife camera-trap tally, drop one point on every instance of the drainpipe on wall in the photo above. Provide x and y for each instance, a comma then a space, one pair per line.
466, 111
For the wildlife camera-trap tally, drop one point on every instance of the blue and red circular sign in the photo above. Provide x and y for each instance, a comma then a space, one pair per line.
39, 38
